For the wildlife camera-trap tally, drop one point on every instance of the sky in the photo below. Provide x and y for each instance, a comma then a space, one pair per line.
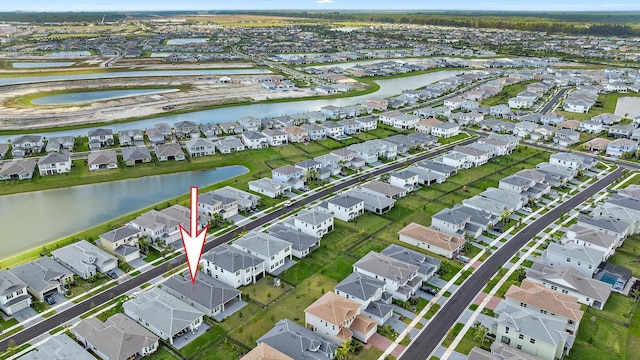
506, 5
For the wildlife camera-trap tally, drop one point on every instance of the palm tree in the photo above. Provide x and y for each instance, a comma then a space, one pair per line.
347, 347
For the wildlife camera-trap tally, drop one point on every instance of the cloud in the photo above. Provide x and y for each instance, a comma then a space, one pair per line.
324, 1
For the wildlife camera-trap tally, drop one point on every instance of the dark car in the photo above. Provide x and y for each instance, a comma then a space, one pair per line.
50, 300
429, 290
112, 274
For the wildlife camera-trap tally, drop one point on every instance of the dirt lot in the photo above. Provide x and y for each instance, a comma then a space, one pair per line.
17, 113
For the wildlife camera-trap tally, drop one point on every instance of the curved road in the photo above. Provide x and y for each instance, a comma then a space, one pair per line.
62, 317
429, 337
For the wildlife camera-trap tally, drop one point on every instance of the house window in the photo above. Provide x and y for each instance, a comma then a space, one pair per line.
519, 347
521, 336
568, 259
506, 330
533, 341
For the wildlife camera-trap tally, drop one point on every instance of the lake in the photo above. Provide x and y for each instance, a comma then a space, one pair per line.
50, 215
183, 41
69, 54
37, 65
628, 106
125, 74
388, 87
91, 96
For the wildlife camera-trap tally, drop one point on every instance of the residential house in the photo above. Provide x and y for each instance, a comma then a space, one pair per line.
122, 242
367, 123
264, 352
301, 243
229, 144
100, 138
551, 119
130, 137
210, 131
406, 179
445, 130
519, 102
432, 240
568, 280
249, 123
583, 258
84, 259
169, 152
54, 163
598, 145
186, 129
375, 202
136, 155
427, 265
536, 298
296, 134
334, 130
534, 334
425, 125
591, 126
566, 137
572, 161
385, 189
350, 126
311, 222
59, 346
475, 157
500, 110
275, 137
556, 175
369, 293
117, 338
245, 200
102, 160
232, 266
163, 314
590, 236
155, 137
205, 294
402, 279
513, 201
298, 342
254, 140
621, 208
198, 147
343, 207
58, 144
13, 293
269, 187
18, 169
621, 131
333, 112
619, 147
43, 277
27, 144
338, 319
163, 226
314, 131
290, 175
607, 118
273, 251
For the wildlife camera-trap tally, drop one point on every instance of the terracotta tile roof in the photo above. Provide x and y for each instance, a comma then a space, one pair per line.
541, 297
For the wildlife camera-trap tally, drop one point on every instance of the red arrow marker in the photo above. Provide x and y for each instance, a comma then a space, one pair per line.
193, 241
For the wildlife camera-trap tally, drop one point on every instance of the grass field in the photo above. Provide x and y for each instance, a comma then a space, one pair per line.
507, 92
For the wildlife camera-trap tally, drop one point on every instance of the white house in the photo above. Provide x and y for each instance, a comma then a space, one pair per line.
273, 251
13, 293
275, 137
432, 240
54, 163
311, 222
197, 147
269, 187
406, 179
445, 130
254, 140
402, 279
343, 207
232, 266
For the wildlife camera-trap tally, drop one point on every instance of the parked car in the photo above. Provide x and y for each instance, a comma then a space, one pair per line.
429, 290
49, 299
528, 209
112, 274
462, 258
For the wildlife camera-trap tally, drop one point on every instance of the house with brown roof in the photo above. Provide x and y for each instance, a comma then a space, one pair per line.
338, 319
597, 144
433, 240
265, 352
537, 298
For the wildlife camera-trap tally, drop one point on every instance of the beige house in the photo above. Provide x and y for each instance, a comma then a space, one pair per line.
265, 352
538, 298
338, 319
433, 240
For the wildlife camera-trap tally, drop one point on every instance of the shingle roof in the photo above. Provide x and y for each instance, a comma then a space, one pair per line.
206, 291
230, 258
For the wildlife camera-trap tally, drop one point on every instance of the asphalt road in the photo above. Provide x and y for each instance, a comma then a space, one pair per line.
429, 337
62, 317
553, 101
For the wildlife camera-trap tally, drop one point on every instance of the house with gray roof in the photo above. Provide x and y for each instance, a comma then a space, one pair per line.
59, 347
232, 266
210, 130
3, 150
514, 201
570, 281
269, 187
43, 276
583, 258
169, 152
54, 163
491, 206
85, 259
27, 144
134, 155
186, 129
217, 202
18, 169
311, 222
118, 338
384, 188
298, 342
556, 175
60, 143
534, 333
370, 293
131, 137
163, 314
254, 140
155, 137
343, 207
244, 199
102, 160
402, 278
13, 293
163, 226
618, 228
427, 265
99, 138
301, 243
374, 202
572, 161
272, 250
621, 208
122, 242
206, 294
439, 168
198, 147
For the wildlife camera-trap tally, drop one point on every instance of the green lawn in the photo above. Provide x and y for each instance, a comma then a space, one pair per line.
507, 92
264, 292
628, 255
162, 354
451, 335
210, 339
